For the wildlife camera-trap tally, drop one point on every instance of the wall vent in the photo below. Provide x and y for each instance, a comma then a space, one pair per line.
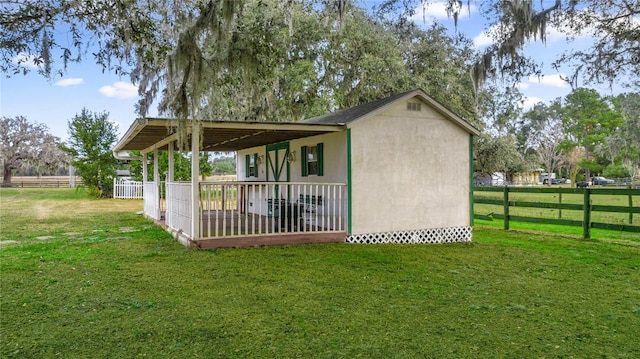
413, 106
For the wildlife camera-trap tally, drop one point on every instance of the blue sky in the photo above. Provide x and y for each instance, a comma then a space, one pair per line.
55, 102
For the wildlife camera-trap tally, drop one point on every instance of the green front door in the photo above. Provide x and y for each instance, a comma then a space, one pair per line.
277, 171
277, 164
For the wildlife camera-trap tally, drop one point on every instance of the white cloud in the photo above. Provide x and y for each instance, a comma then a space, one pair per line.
25, 60
549, 80
438, 10
482, 39
71, 81
530, 101
120, 89
523, 86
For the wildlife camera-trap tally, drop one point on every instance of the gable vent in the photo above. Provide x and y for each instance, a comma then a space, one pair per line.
414, 106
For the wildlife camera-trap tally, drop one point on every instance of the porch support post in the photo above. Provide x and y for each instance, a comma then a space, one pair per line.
195, 177
145, 168
156, 180
170, 169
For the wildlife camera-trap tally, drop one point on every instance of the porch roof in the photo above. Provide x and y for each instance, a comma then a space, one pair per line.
147, 134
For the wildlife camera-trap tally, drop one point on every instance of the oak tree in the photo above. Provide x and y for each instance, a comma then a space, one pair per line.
25, 143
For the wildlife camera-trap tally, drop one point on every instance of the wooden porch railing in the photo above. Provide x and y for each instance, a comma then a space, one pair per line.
151, 195
178, 206
266, 208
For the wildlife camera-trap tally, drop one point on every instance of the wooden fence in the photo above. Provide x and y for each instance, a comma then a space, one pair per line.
503, 197
43, 182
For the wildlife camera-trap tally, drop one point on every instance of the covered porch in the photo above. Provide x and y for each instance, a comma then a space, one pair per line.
204, 214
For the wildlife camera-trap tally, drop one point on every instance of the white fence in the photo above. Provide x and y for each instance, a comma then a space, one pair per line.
127, 189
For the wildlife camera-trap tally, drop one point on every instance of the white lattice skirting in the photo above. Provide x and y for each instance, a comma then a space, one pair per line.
433, 235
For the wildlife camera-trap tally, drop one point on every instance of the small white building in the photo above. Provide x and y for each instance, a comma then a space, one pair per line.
395, 170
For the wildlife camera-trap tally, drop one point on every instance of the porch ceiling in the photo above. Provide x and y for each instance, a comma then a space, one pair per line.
148, 133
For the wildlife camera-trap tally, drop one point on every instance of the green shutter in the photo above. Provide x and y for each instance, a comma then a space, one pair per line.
320, 161
255, 163
303, 160
246, 166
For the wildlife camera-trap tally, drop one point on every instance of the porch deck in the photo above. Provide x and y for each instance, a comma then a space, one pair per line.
242, 214
236, 230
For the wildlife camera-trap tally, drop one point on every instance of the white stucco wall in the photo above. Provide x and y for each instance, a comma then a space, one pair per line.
334, 154
241, 167
410, 171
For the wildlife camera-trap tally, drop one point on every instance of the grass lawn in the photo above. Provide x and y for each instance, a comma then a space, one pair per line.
83, 278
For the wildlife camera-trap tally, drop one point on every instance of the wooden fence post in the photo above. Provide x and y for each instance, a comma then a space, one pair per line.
630, 213
586, 222
560, 202
506, 207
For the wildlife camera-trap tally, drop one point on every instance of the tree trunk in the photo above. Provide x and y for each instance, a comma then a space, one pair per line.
8, 173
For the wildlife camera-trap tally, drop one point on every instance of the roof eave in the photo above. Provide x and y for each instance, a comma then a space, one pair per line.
140, 124
134, 129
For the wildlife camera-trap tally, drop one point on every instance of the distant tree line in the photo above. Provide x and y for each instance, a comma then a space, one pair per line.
577, 136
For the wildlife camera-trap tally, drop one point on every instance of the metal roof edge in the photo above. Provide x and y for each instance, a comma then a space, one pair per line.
137, 126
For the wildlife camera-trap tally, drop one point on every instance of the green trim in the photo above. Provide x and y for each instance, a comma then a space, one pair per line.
471, 209
319, 150
246, 166
279, 164
303, 161
349, 184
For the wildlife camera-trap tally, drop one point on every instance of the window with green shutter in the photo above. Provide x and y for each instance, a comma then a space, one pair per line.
312, 160
251, 165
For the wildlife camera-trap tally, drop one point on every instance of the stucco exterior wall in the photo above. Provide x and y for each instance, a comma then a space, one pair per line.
335, 160
241, 166
410, 171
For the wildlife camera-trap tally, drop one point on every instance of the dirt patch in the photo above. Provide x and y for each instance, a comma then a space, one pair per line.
8, 242
42, 209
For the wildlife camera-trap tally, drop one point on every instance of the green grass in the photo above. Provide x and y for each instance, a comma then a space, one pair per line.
30, 214
121, 287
